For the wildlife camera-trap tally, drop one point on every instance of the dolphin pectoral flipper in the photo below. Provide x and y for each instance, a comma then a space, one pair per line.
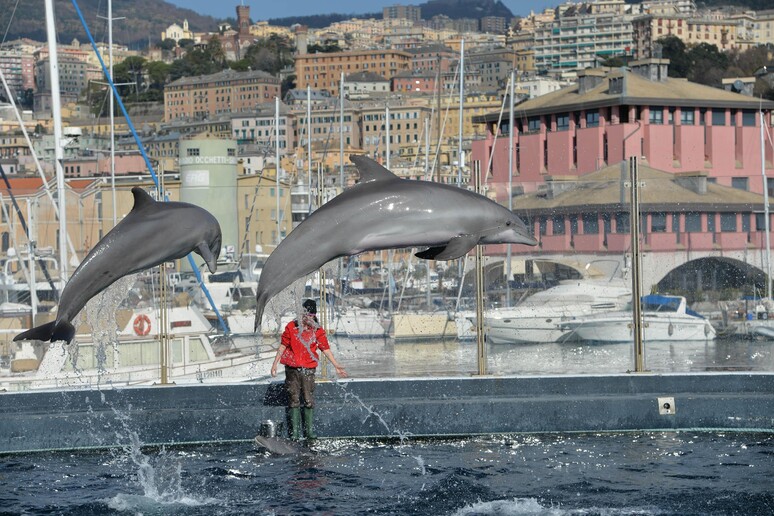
204, 252
456, 248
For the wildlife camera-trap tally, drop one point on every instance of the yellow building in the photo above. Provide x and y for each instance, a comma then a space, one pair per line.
323, 70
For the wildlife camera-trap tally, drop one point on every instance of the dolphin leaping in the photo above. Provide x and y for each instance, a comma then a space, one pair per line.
384, 211
152, 233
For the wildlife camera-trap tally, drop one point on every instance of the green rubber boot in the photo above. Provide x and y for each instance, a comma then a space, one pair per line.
309, 423
295, 423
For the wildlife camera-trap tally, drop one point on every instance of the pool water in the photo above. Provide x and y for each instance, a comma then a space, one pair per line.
670, 473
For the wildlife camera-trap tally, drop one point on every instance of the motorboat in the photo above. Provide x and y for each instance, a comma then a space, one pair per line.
356, 323
665, 318
135, 360
539, 317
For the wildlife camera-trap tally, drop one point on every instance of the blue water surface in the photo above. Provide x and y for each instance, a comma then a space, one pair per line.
672, 473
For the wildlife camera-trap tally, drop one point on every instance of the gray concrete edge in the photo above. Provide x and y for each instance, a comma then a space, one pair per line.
388, 408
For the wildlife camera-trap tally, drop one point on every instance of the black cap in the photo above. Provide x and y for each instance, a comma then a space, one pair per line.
310, 306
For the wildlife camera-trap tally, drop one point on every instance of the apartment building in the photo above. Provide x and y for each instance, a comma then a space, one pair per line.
577, 39
648, 29
18, 69
260, 127
407, 12
228, 91
493, 65
323, 70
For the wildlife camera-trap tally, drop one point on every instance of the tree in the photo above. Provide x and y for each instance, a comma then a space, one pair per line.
708, 64
674, 49
167, 44
270, 54
158, 73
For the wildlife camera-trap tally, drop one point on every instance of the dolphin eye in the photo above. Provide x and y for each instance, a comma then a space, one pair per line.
508, 222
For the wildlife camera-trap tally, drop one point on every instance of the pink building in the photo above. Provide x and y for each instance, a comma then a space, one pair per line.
700, 147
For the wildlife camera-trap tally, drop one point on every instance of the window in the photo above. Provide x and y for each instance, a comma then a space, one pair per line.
622, 222
590, 223
692, 222
534, 124
748, 118
573, 224
686, 116
711, 223
675, 223
658, 222
562, 122
760, 222
656, 115
543, 226
728, 222
592, 118
558, 223
740, 183
718, 117
193, 151
746, 222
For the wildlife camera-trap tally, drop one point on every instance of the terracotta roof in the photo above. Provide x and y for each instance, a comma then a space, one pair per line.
661, 191
26, 185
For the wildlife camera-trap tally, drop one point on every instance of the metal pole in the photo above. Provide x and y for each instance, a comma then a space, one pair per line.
112, 121
341, 132
33, 282
634, 174
387, 136
462, 98
480, 342
56, 110
508, 273
427, 165
277, 155
766, 211
309, 142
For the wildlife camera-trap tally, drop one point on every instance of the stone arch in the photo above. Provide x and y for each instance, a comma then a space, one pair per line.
723, 277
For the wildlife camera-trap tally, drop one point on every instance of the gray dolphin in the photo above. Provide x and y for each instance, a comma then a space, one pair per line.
152, 233
282, 446
384, 211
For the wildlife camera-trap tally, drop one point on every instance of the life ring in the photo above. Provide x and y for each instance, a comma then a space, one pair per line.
142, 325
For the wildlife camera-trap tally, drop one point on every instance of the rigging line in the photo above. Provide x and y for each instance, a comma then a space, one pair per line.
148, 163
22, 263
445, 117
498, 129
10, 21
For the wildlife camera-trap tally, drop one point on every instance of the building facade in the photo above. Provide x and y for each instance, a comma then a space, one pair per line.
323, 70
228, 91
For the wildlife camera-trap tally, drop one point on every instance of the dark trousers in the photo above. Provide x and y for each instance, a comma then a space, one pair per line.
298, 381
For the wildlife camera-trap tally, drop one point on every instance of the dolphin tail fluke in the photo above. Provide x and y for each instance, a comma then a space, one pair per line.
51, 331
260, 304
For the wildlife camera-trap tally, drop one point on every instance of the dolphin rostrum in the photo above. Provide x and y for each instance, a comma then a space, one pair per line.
384, 211
152, 233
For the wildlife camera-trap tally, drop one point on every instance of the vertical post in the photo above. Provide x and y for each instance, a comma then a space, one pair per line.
766, 211
56, 111
33, 282
462, 99
428, 298
508, 273
309, 143
387, 137
112, 108
480, 342
341, 132
323, 311
634, 176
163, 336
277, 154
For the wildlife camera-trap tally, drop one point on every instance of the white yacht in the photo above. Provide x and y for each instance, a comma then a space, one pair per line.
540, 317
665, 318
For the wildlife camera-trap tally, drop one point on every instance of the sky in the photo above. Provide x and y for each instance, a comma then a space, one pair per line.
264, 9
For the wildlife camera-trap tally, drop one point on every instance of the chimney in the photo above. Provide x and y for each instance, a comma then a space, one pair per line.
589, 79
653, 69
693, 181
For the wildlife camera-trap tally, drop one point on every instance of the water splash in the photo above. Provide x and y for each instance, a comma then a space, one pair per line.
100, 313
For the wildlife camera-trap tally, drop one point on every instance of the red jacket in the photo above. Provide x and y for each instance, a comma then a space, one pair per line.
298, 345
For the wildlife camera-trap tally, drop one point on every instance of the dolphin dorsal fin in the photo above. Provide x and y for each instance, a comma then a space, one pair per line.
141, 198
371, 170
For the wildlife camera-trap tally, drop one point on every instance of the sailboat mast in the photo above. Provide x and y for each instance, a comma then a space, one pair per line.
112, 116
56, 111
766, 211
277, 154
309, 143
462, 98
510, 190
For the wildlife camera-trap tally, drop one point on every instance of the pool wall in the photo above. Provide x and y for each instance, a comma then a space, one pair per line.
45, 420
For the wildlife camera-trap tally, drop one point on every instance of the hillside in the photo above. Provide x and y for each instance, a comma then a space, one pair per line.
144, 19
454, 9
